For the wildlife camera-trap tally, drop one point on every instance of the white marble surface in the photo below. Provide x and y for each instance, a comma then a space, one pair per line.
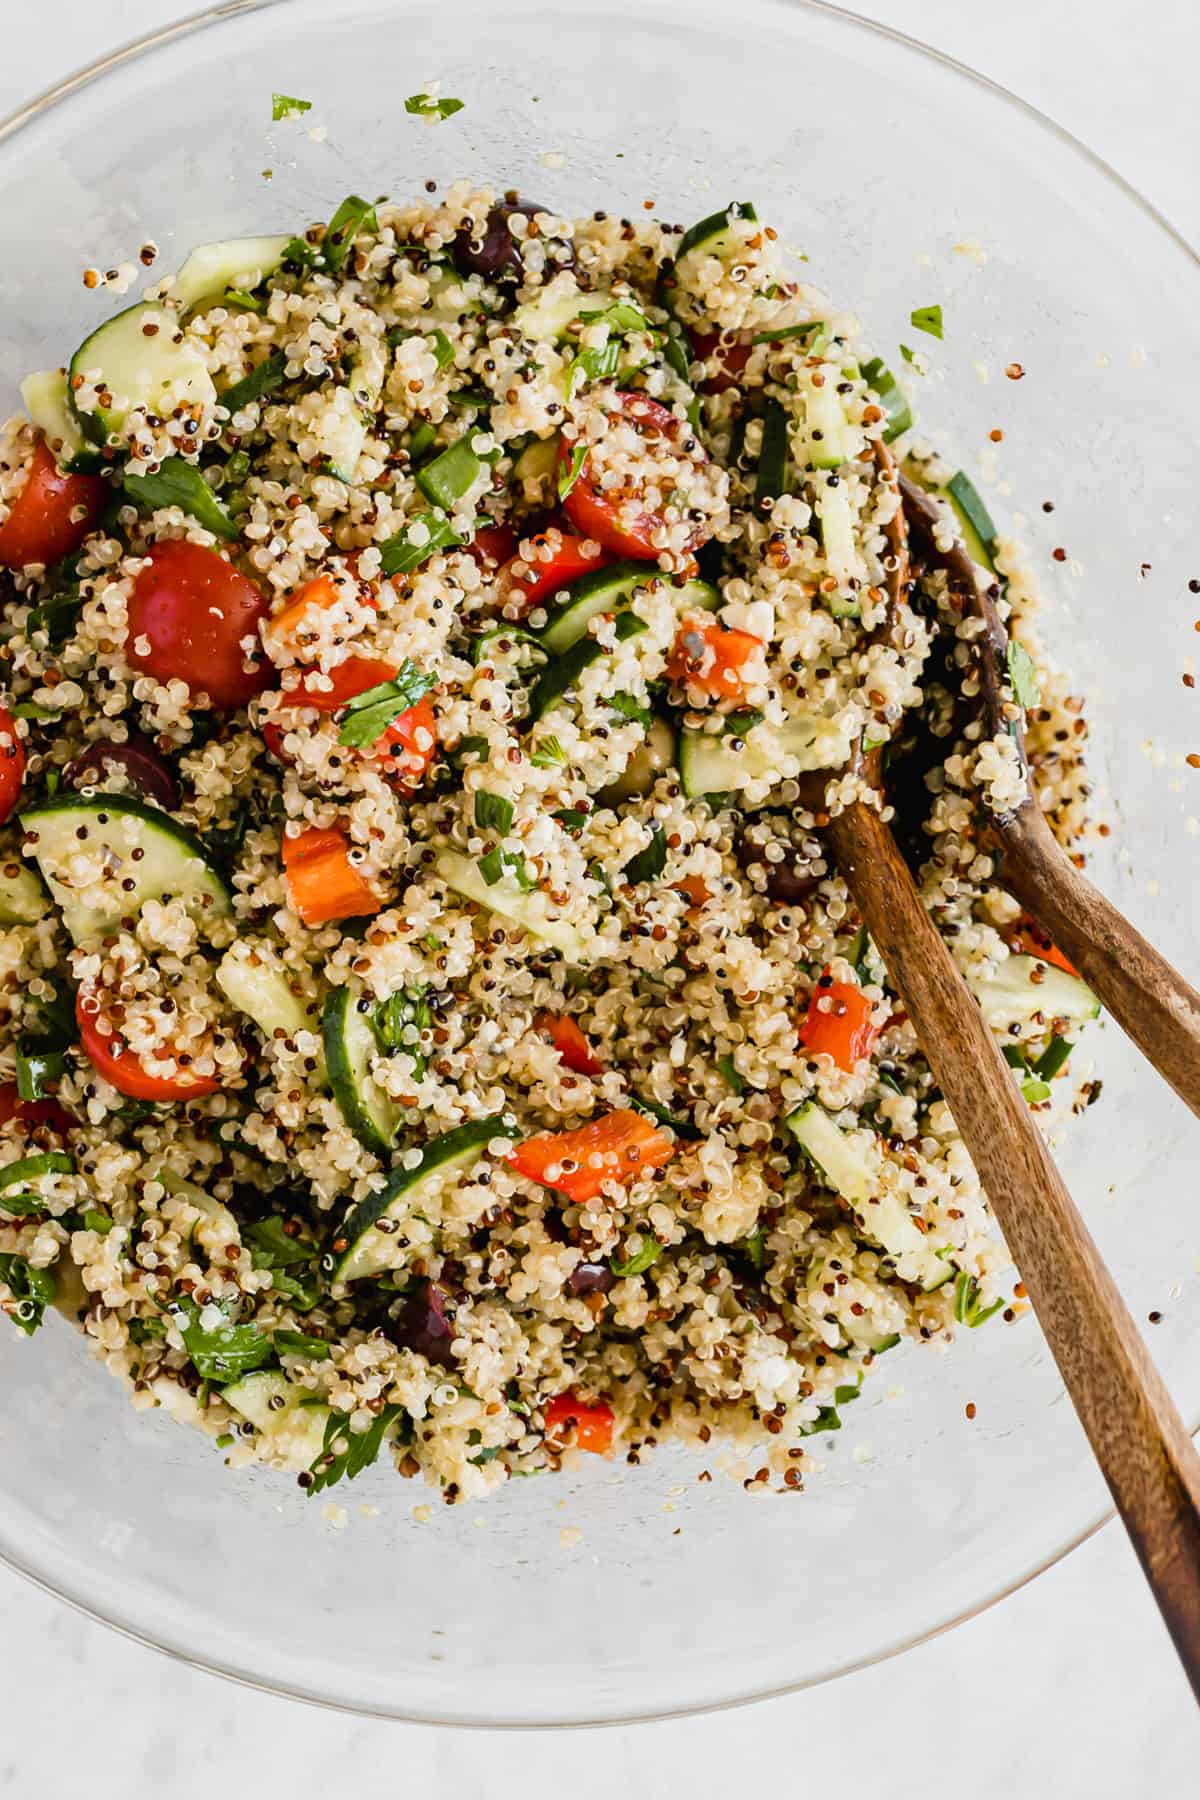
1068, 1688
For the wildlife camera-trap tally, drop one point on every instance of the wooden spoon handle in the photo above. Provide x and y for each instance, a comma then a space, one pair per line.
1145, 995
1148, 1460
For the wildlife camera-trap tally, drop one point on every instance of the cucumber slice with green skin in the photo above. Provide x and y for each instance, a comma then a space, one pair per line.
147, 856
231, 263
565, 670
883, 1216
252, 978
138, 368
529, 909
837, 532
351, 1046
709, 764
23, 898
291, 1428
508, 641
610, 590
538, 460
828, 438
858, 1329
550, 315
891, 397
1026, 991
343, 433
369, 1251
46, 402
974, 520
772, 478
712, 235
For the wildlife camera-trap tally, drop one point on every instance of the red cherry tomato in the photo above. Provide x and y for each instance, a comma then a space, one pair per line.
493, 545
710, 657
409, 745
559, 558
273, 735
350, 679
12, 764
838, 1023
42, 526
730, 358
34, 1112
194, 610
122, 1069
618, 1146
614, 517
592, 1419
572, 1046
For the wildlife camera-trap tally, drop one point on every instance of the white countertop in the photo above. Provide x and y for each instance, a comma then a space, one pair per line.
1069, 1688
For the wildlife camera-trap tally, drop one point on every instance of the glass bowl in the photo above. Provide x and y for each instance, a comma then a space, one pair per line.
620, 1592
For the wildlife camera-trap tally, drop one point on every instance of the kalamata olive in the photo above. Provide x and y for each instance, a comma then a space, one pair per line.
786, 884
140, 764
423, 1326
490, 249
655, 753
590, 1278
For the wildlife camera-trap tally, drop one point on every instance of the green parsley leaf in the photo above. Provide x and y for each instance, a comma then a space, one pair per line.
300, 1343
179, 482
272, 1246
443, 349
57, 617
620, 316
32, 1291
498, 864
927, 318
262, 379
225, 1353
1053, 1058
783, 332
629, 708
427, 106
399, 1021
1022, 672
402, 553
362, 1448
287, 106
369, 714
569, 475
594, 365
638, 1261
725, 1067
97, 1221
243, 302
493, 812
967, 1308
647, 864
353, 216
754, 1247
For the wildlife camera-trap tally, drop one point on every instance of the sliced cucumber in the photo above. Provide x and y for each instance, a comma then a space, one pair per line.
861, 1329
23, 898
974, 520
556, 308
712, 236
1026, 991
343, 432
828, 438
351, 1046
837, 532
145, 856
254, 979
891, 397
610, 590
883, 1216
137, 362
291, 1427
527, 908
508, 644
538, 460
216, 1226
772, 478
370, 1251
46, 402
561, 675
211, 269
711, 765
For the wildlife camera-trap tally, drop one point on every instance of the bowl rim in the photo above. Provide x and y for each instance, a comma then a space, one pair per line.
27, 114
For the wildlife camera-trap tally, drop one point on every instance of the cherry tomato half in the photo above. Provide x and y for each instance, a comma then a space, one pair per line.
34, 1112
592, 1419
350, 679
560, 558
41, 526
493, 545
194, 610
123, 1070
729, 356
574, 1051
12, 764
614, 517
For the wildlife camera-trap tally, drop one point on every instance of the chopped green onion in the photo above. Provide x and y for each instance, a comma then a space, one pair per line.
892, 398
352, 216
927, 318
450, 475
1053, 1058
548, 753
493, 812
569, 474
498, 863
967, 1308
1035, 1092
97, 1221
782, 332
906, 353
620, 316
300, 1343
725, 1067
262, 379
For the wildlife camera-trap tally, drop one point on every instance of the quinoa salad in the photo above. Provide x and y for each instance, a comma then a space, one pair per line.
433, 1031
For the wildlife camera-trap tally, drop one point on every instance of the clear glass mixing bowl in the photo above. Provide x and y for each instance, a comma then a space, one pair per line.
908, 181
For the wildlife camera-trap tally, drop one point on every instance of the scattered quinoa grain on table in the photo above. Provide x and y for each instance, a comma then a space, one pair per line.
432, 1028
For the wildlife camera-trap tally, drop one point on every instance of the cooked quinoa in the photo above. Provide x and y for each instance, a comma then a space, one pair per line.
431, 1020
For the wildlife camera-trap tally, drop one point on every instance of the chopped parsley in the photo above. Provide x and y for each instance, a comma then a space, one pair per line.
927, 318
430, 106
32, 1289
225, 1353
179, 482
407, 551
638, 1261
266, 376
548, 754
493, 812
352, 216
968, 1307
648, 863
362, 1449
369, 714
1022, 673
288, 106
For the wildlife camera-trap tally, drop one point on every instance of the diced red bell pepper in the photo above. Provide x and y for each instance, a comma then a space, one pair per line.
323, 884
838, 1022
694, 888
619, 1147
560, 559
710, 657
408, 746
569, 1041
347, 681
592, 1419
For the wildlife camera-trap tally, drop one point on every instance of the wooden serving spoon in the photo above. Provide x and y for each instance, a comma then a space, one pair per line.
1151, 1002
1139, 1440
